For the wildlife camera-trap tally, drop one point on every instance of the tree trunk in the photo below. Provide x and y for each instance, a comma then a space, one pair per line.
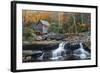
60, 15
74, 22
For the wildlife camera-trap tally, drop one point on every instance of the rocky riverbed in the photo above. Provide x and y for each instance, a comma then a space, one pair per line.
68, 51
74, 47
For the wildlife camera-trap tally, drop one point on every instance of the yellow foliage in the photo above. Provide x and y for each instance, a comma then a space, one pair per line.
30, 16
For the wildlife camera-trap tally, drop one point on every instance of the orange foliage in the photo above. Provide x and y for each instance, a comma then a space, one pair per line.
30, 16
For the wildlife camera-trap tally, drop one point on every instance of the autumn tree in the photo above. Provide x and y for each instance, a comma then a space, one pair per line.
32, 17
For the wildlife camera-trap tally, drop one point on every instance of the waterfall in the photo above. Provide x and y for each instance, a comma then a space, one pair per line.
59, 52
81, 53
41, 57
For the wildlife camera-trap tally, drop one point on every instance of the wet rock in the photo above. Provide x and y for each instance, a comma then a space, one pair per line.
39, 38
71, 51
53, 36
37, 54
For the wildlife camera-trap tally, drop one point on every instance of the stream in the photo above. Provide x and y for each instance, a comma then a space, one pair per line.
58, 52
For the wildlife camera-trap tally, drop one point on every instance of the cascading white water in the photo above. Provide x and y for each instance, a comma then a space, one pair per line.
41, 57
57, 54
81, 53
